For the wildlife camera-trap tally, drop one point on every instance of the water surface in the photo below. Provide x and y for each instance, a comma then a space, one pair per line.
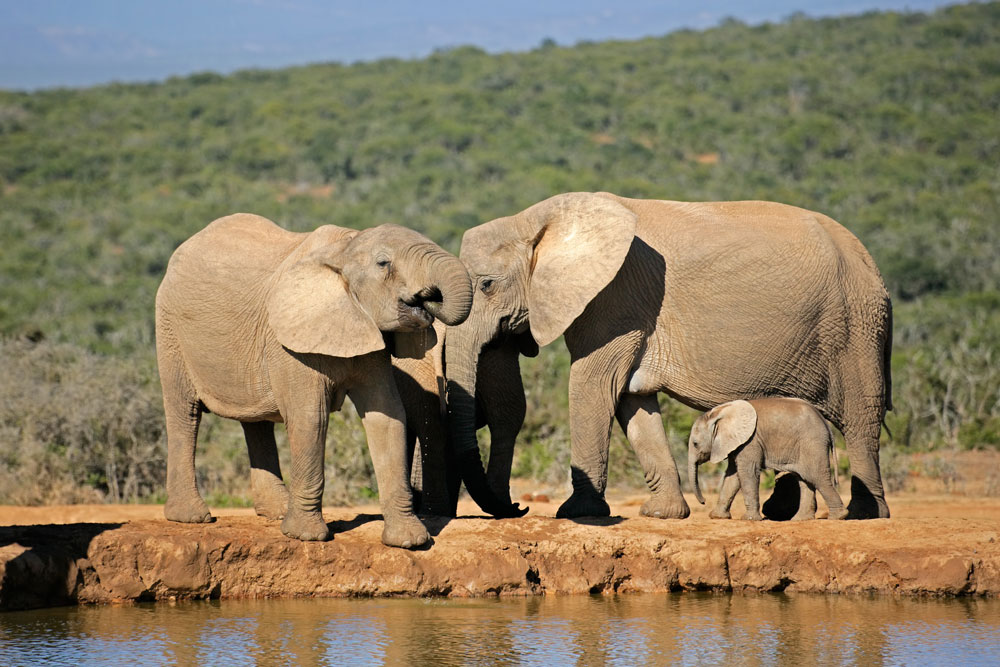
648, 629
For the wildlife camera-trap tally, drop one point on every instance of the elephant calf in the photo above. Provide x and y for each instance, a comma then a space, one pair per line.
785, 434
262, 325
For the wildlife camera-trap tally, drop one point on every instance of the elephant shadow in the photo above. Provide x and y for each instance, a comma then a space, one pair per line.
784, 500
597, 520
46, 573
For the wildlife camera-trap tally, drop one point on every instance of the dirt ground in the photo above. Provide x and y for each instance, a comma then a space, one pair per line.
623, 503
943, 540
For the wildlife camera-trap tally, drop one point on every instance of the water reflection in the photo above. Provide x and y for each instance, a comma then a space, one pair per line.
687, 629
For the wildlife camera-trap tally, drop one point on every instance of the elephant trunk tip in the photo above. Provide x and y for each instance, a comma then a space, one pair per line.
451, 314
693, 478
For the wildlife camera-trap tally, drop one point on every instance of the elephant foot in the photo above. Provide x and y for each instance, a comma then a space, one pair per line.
838, 514
405, 531
865, 505
270, 496
580, 504
803, 516
272, 504
753, 517
305, 526
664, 507
719, 514
271, 511
188, 512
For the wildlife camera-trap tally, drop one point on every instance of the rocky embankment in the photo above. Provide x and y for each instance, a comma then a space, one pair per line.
243, 556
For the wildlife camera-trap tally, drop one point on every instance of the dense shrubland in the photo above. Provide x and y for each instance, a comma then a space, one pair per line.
888, 122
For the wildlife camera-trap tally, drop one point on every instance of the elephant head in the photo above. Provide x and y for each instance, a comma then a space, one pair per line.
342, 289
533, 274
716, 434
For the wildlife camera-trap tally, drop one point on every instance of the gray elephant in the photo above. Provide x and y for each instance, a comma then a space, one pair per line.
262, 325
783, 434
707, 302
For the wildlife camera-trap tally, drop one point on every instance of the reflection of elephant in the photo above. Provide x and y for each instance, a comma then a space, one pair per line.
500, 405
263, 325
708, 302
784, 434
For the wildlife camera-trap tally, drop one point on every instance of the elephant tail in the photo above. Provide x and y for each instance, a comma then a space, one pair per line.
833, 457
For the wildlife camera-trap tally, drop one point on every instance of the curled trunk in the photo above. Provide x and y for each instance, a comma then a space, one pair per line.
448, 292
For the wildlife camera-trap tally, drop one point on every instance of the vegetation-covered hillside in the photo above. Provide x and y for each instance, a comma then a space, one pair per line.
888, 122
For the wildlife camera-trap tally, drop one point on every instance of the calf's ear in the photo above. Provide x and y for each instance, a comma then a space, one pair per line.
734, 425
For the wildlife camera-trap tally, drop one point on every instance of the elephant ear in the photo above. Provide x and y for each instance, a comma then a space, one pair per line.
734, 425
580, 244
413, 344
311, 309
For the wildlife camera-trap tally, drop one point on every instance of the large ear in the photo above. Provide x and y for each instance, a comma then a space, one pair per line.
734, 425
413, 344
311, 309
581, 243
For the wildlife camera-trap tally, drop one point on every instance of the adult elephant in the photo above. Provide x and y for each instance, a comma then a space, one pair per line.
262, 325
708, 302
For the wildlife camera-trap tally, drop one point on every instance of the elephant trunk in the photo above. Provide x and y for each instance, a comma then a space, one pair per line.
447, 294
693, 475
461, 363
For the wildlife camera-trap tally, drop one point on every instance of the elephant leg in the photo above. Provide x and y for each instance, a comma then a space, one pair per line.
640, 419
182, 411
749, 474
382, 414
306, 426
861, 432
727, 493
433, 474
270, 497
862, 407
415, 464
591, 411
807, 501
832, 498
500, 395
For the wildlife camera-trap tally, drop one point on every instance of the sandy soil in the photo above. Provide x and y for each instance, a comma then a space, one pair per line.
624, 504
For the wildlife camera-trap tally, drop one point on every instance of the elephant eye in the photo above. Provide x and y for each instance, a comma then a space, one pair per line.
383, 263
486, 284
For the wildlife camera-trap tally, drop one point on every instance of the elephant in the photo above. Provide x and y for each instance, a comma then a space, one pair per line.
420, 380
782, 434
262, 325
707, 302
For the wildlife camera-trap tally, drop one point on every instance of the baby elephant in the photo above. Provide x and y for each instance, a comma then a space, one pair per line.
779, 433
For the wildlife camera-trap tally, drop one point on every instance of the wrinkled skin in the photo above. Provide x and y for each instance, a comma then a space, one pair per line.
262, 325
782, 434
708, 302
